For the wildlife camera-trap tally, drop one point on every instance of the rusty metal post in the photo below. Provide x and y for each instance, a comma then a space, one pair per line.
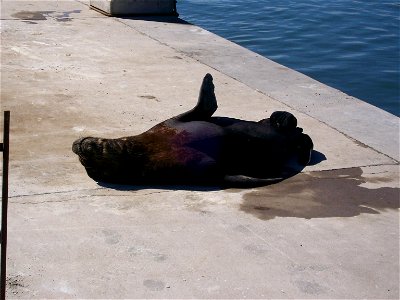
5, 148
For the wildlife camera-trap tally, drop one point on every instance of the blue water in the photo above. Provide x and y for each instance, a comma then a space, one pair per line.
350, 45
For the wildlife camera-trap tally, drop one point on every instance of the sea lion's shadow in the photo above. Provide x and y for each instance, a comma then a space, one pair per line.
160, 186
292, 169
316, 158
154, 18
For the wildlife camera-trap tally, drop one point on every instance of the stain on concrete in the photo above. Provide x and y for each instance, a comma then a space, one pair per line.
154, 285
63, 97
242, 229
309, 268
310, 288
66, 16
111, 237
44, 15
256, 249
160, 257
32, 15
194, 202
146, 252
15, 285
150, 97
324, 194
63, 19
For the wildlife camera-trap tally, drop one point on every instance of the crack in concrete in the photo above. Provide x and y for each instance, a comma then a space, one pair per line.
84, 196
55, 192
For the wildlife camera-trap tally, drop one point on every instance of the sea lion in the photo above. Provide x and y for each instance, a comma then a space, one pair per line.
196, 148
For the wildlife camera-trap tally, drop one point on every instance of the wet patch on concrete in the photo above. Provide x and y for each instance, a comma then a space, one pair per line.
111, 237
32, 15
194, 202
66, 16
310, 288
256, 249
154, 285
323, 194
44, 15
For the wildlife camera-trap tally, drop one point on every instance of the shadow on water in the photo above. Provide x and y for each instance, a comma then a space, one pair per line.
323, 194
161, 19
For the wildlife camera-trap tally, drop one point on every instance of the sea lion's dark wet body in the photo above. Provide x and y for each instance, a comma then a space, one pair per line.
196, 148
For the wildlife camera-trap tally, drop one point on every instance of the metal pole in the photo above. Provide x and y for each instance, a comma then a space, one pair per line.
5, 147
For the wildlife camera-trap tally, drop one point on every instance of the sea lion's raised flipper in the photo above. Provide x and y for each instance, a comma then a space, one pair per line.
206, 105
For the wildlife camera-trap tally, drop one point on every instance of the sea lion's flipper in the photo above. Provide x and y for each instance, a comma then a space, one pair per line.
207, 102
242, 181
206, 105
304, 149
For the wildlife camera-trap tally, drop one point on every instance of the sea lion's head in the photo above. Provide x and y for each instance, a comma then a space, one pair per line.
89, 149
96, 155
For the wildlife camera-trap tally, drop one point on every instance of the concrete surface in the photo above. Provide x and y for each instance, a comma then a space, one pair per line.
331, 231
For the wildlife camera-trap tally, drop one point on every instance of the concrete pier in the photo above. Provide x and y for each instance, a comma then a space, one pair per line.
67, 71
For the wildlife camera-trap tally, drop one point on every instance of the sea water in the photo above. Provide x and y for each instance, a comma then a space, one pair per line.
347, 44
